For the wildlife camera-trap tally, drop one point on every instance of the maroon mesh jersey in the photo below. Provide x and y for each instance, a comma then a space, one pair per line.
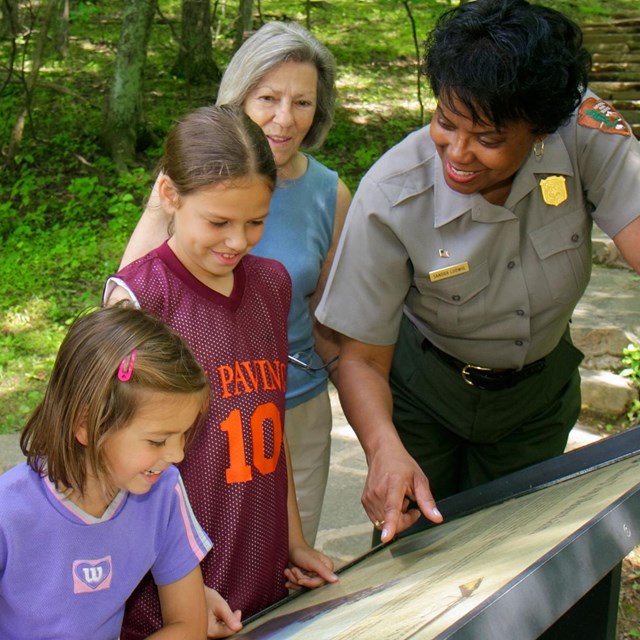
235, 470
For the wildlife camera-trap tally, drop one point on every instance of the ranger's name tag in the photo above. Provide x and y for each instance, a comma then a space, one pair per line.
449, 272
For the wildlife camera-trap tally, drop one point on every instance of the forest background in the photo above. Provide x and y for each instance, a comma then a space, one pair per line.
88, 90
77, 151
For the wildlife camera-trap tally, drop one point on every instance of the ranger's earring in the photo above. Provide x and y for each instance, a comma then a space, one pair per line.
538, 150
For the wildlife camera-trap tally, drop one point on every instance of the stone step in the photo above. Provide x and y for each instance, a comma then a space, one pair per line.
611, 33
625, 105
601, 41
615, 32
616, 22
615, 76
605, 393
615, 66
605, 253
614, 48
627, 75
602, 57
623, 90
632, 117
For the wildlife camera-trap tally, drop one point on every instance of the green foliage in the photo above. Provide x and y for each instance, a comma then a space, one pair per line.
85, 12
28, 342
66, 214
631, 362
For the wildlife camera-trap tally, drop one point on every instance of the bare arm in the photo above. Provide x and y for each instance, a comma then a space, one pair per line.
327, 342
296, 536
150, 232
307, 566
394, 477
184, 612
628, 243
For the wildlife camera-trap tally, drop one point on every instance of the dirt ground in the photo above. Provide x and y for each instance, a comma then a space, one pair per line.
629, 609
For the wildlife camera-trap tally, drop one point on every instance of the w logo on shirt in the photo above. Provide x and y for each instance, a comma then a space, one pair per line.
92, 575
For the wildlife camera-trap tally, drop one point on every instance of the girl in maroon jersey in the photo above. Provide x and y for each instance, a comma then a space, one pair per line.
217, 177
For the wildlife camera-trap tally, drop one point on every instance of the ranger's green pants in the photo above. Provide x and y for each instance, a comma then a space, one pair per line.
462, 436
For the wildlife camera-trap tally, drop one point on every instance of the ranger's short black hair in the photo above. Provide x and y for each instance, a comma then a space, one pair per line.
508, 60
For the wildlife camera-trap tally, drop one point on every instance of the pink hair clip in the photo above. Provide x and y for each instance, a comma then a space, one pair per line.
125, 370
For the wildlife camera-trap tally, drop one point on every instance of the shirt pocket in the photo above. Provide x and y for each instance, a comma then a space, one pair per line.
564, 249
456, 305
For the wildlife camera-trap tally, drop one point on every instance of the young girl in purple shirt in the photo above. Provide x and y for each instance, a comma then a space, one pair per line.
99, 502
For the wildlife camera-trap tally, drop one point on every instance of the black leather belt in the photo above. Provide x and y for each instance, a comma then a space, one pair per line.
485, 378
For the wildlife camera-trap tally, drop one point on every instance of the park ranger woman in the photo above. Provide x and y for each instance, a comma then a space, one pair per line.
465, 251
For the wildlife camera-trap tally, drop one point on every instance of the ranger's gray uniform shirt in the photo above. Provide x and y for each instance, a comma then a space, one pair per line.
491, 285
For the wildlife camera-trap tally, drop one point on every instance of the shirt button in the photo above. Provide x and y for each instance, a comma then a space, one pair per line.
511, 264
519, 343
575, 237
520, 312
456, 298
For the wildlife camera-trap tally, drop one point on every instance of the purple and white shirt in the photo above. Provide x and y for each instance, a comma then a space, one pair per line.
66, 575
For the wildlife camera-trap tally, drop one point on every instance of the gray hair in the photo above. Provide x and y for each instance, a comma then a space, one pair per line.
271, 45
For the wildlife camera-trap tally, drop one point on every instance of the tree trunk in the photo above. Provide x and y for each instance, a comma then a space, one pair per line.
42, 25
244, 22
416, 46
195, 60
9, 25
60, 29
121, 123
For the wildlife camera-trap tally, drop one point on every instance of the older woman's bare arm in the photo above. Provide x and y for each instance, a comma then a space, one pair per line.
327, 342
150, 232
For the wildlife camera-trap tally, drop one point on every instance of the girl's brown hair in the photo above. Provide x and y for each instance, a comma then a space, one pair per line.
212, 145
84, 389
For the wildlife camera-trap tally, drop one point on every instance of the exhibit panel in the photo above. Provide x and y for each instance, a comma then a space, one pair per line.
508, 570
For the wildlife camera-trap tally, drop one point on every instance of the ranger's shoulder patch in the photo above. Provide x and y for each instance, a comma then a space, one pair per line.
597, 114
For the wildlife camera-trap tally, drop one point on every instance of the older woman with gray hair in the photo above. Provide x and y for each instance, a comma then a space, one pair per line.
284, 79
